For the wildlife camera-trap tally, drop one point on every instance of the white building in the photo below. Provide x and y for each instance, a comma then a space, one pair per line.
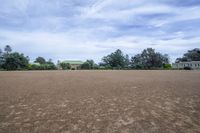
192, 64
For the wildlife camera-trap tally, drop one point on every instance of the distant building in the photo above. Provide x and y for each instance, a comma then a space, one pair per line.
192, 64
74, 64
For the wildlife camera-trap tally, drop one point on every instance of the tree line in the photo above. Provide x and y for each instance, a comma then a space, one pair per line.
147, 59
18, 61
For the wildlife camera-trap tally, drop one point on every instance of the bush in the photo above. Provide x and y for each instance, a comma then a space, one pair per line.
41, 67
139, 66
167, 66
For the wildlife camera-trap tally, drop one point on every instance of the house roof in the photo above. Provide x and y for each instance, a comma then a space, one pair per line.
187, 62
73, 62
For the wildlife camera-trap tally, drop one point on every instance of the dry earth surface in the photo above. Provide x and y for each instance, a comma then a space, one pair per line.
100, 102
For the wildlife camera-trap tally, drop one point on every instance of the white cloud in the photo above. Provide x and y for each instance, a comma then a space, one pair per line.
105, 10
179, 14
66, 29
70, 46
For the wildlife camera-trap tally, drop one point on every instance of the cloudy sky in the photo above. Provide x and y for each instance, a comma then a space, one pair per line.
90, 29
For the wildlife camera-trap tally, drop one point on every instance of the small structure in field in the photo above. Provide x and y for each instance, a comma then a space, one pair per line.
182, 65
75, 64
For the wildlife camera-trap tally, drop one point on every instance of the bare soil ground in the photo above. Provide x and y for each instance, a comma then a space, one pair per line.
100, 102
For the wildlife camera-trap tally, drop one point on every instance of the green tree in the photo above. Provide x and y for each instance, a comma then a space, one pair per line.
137, 62
8, 49
96, 66
115, 60
191, 55
89, 64
15, 61
1, 52
86, 65
1, 59
127, 61
50, 65
149, 59
40, 60
65, 66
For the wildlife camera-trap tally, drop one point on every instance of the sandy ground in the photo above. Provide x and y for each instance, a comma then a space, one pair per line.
100, 102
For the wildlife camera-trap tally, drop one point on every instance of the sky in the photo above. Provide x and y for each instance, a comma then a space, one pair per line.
91, 29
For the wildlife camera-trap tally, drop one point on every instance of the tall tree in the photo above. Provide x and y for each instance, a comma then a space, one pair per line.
149, 59
8, 49
191, 55
137, 62
88, 64
1, 58
115, 59
40, 60
15, 61
91, 63
127, 61
65, 66
50, 65
1, 52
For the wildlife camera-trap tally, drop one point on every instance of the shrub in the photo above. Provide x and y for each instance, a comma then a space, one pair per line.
167, 66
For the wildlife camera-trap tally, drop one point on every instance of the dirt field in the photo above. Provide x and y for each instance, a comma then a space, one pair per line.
100, 102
